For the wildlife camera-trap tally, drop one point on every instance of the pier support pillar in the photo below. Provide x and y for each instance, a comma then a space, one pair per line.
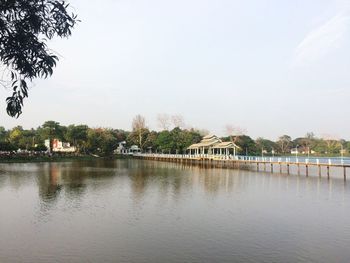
319, 171
328, 172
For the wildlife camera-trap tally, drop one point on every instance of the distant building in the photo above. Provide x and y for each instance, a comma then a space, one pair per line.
294, 151
59, 146
211, 144
47, 144
134, 149
121, 149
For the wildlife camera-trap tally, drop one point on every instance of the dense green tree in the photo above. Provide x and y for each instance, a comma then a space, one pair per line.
3, 134
101, 141
164, 143
25, 27
27, 140
108, 143
247, 145
53, 130
7, 146
265, 145
77, 135
15, 136
120, 135
150, 142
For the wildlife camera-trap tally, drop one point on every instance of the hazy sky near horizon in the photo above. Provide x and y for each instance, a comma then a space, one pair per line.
271, 67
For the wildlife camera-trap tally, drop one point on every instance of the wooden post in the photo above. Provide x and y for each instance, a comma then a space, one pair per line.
257, 166
307, 170
271, 167
344, 173
298, 169
319, 170
288, 168
328, 172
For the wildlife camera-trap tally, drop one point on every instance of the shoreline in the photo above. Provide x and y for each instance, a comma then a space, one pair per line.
57, 158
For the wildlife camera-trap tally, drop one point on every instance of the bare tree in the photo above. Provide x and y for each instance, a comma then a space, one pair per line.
234, 132
307, 141
178, 120
284, 143
332, 142
138, 126
163, 121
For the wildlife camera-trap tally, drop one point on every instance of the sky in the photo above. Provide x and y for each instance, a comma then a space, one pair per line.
271, 67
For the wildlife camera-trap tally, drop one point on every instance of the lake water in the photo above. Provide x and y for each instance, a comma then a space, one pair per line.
144, 211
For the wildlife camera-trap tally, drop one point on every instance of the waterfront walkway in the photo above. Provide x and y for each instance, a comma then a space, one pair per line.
285, 164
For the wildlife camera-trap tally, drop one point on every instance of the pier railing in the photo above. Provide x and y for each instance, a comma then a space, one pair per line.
301, 160
236, 161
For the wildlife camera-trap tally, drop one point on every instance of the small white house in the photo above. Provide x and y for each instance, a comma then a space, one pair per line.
134, 149
121, 149
294, 151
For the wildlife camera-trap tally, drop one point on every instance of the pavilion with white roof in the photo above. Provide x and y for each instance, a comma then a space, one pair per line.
211, 144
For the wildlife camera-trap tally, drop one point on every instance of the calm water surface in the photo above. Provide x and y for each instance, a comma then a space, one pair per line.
143, 211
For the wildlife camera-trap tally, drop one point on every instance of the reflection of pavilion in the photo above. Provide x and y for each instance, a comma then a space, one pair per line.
211, 144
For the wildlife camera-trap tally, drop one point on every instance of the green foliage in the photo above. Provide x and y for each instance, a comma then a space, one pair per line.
247, 145
52, 129
25, 27
176, 140
3, 134
40, 148
138, 137
101, 141
7, 146
265, 145
77, 135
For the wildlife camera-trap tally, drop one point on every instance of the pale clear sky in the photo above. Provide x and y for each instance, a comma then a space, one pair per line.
271, 67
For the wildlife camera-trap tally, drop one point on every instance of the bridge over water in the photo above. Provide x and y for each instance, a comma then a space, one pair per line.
271, 164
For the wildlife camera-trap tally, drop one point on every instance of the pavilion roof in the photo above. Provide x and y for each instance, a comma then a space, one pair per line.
225, 145
213, 142
202, 144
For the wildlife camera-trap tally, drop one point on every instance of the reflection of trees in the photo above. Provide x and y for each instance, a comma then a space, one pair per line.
49, 182
175, 178
138, 183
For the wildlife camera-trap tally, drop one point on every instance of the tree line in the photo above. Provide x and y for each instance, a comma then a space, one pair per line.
104, 141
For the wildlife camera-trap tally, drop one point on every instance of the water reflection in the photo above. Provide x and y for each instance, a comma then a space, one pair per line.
48, 181
73, 178
101, 211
